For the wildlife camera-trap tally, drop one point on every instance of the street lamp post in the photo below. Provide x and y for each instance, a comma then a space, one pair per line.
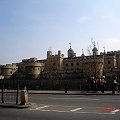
2, 89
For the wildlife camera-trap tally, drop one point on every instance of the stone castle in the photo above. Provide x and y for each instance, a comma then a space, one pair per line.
70, 67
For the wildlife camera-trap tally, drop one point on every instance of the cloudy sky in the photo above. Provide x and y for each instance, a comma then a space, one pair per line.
29, 28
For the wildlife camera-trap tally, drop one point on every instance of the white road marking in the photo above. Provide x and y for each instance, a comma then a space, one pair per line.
41, 107
95, 113
54, 111
74, 98
72, 110
115, 111
77, 112
88, 99
75, 109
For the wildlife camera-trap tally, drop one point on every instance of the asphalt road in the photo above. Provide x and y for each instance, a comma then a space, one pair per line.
70, 107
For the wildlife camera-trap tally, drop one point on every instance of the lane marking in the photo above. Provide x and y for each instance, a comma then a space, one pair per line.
78, 112
115, 111
75, 109
54, 111
95, 113
75, 98
41, 107
111, 110
88, 99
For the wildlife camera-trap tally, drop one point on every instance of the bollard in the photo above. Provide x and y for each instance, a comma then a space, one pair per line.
65, 88
17, 94
24, 97
2, 93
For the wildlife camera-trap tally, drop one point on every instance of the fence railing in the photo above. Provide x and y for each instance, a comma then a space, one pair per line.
10, 88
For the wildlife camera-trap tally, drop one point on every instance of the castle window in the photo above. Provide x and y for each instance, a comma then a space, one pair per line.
71, 64
77, 63
78, 69
109, 62
66, 64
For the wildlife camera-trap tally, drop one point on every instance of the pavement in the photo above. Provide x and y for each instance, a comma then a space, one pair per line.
72, 92
11, 105
19, 106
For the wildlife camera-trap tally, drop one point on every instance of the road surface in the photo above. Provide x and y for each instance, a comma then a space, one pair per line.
62, 107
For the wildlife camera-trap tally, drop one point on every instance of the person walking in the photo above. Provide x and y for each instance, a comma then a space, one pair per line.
101, 85
115, 85
104, 83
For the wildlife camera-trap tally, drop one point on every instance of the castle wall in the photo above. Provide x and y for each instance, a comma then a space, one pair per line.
8, 70
93, 66
30, 68
110, 62
83, 65
73, 65
118, 60
54, 63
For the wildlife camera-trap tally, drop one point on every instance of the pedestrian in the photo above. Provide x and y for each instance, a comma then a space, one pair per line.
115, 85
104, 83
93, 84
81, 86
100, 83
88, 84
